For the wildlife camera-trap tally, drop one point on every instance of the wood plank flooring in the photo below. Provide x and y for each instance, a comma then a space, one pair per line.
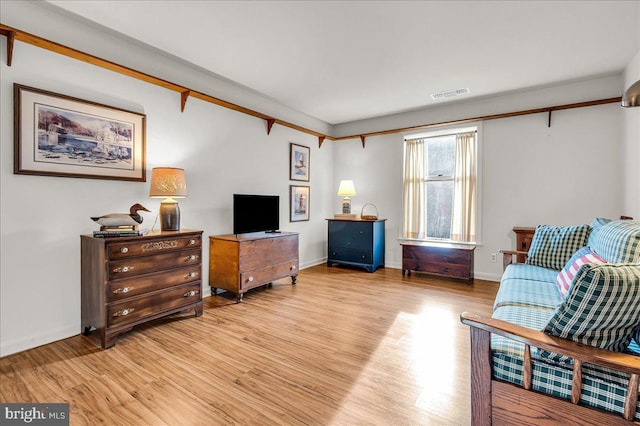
342, 347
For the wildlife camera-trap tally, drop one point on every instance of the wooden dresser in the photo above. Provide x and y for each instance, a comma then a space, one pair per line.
238, 263
131, 280
452, 260
356, 242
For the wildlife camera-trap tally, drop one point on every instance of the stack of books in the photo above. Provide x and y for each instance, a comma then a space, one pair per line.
119, 231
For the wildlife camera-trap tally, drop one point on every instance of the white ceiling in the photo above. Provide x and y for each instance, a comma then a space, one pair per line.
341, 61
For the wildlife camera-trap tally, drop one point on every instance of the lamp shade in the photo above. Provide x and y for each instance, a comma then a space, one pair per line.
631, 97
347, 188
168, 182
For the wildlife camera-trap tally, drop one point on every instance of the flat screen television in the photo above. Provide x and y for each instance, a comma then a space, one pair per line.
255, 213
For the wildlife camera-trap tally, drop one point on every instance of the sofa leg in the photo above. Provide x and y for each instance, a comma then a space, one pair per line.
480, 377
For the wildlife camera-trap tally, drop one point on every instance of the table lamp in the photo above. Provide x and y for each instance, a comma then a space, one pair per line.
168, 183
346, 190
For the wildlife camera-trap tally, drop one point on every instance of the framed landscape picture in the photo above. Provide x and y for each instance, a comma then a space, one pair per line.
299, 162
57, 135
298, 203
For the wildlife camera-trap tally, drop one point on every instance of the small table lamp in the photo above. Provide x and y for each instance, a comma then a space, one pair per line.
346, 190
168, 183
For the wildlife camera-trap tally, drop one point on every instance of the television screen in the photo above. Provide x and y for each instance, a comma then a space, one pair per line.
255, 213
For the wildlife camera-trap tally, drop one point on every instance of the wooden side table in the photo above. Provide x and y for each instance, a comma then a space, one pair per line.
451, 260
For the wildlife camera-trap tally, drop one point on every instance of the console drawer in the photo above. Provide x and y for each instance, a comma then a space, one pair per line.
122, 289
133, 309
268, 274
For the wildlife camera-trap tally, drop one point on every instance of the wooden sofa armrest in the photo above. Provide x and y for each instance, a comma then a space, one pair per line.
616, 360
482, 326
507, 256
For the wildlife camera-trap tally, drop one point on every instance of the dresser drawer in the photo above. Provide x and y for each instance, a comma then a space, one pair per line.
350, 234
132, 248
268, 274
277, 250
146, 264
122, 289
351, 255
134, 309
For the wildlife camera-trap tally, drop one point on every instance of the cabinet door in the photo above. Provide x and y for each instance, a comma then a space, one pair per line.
357, 235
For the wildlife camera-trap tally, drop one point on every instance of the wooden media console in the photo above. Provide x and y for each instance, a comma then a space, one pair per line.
238, 263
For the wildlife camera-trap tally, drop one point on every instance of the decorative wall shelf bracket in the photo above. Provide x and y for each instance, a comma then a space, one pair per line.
11, 36
183, 99
362, 139
320, 141
549, 123
270, 123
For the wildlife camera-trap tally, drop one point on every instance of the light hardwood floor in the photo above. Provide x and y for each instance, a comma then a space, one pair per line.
342, 347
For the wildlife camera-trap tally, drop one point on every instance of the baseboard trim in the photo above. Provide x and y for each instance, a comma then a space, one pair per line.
33, 341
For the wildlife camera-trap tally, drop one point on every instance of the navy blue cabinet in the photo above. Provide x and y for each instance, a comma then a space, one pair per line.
356, 243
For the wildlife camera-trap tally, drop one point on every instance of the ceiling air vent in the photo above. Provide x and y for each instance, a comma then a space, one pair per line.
449, 93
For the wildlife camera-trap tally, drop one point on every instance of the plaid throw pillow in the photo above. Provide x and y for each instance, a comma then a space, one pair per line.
618, 241
565, 277
553, 246
602, 308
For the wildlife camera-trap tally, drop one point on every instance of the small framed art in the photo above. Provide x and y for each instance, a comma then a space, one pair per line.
57, 135
298, 203
299, 162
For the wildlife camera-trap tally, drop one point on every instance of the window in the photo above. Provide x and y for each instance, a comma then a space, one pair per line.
440, 186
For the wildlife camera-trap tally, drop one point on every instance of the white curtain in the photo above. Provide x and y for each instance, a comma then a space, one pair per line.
463, 226
415, 190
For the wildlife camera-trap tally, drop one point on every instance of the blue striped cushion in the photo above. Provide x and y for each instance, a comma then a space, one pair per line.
618, 241
596, 225
602, 308
529, 272
553, 246
520, 292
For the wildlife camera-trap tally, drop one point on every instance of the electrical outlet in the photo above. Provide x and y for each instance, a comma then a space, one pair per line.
494, 258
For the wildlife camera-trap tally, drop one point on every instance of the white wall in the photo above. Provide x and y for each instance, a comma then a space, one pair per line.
631, 150
531, 174
222, 152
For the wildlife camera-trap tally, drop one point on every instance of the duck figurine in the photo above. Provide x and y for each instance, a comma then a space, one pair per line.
113, 220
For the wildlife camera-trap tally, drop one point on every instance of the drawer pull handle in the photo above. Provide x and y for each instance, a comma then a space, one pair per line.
250, 279
293, 267
192, 257
123, 269
124, 250
123, 312
192, 242
191, 293
121, 290
192, 274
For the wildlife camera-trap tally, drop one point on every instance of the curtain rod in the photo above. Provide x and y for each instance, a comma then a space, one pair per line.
13, 34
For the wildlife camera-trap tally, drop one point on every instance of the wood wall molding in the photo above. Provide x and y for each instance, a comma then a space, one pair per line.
548, 109
13, 34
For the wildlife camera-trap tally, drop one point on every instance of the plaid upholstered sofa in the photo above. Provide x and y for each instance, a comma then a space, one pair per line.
562, 345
